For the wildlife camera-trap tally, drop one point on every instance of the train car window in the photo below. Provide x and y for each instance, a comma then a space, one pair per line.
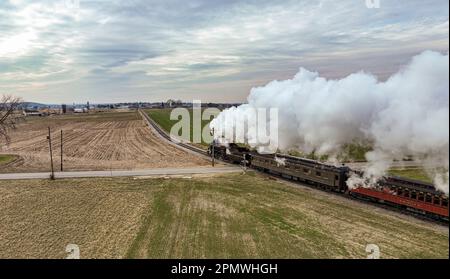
318, 173
305, 170
445, 202
336, 177
436, 200
428, 198
406, 194
421, 197
414, 195
400, 191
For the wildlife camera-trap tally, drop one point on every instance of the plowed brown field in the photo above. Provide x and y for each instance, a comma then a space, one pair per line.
101, 141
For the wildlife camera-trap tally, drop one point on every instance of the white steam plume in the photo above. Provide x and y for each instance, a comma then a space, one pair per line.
280, 161
407, 115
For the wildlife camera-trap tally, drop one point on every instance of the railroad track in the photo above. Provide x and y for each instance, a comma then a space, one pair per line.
167, 137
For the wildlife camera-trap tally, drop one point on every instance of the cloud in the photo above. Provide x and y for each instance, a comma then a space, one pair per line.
187, 46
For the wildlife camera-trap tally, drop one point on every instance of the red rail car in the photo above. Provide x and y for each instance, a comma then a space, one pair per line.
430, 203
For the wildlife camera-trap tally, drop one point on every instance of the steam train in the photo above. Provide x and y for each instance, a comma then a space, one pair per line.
413, 196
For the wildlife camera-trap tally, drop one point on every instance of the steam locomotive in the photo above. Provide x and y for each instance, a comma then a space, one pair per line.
413, 196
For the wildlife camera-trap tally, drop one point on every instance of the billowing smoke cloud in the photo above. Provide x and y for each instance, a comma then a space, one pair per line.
407, 115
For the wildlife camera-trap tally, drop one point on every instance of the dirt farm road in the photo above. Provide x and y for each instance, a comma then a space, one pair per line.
124, 173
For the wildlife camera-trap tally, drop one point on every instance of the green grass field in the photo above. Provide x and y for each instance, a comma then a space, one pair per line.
5, 159
162, 117
412, 173
228, 216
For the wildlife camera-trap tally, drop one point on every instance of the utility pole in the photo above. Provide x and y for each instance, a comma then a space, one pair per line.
52, 176
244, 164
61, 150
213, 146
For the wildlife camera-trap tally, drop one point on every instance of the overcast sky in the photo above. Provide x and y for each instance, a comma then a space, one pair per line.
214, 50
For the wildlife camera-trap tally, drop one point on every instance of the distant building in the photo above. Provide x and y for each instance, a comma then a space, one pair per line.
32, 112
80, 110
